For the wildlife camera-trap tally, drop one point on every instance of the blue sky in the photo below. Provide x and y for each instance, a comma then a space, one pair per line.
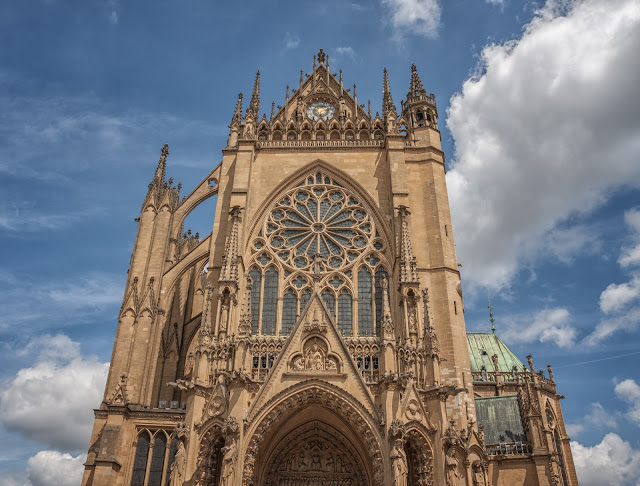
540, 116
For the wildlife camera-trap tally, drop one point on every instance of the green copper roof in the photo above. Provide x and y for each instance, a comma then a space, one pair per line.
501, 419
483, 345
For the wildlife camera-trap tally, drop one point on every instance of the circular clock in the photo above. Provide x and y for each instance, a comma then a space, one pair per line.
320, 110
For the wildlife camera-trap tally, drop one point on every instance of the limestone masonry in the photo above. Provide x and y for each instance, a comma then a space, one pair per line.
316, 336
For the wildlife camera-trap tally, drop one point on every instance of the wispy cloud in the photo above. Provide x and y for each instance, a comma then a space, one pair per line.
291, 41
419, 17
24, 216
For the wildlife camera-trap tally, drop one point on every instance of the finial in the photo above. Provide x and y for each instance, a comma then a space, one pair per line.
273, 106
321, 56
286, 96
387, 101
369, 109
491, 319
341, 89
301, 80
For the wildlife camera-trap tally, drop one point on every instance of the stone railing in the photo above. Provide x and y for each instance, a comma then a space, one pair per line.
512, 377
278, 144
509, 449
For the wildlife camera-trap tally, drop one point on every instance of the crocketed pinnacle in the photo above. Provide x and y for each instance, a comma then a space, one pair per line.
229, 271
237, 115
387, 100
162, 164
246, 314
408, 266
415, 87
254, 104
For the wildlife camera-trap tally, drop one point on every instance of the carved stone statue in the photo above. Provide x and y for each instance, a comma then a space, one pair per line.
452, 468
399, 464
478, 474
315, 358
228, 463
177, 468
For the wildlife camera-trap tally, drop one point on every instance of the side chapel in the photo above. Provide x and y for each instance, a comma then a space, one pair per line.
316, 336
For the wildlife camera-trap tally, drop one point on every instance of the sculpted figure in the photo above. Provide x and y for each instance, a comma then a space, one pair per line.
452, 468
478, 474
399, 464
228, 463
177, 468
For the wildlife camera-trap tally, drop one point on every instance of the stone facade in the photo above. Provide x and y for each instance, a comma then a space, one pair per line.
316, 335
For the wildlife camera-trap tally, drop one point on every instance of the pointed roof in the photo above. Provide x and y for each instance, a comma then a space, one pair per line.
162, 164
483, 345
237, 115
408, 265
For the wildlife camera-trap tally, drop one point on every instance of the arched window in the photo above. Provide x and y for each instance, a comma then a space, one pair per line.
256, 279
330, 301
140, 460
317, 227
270, 301
289, 311
365, 303
345, 313
157, 459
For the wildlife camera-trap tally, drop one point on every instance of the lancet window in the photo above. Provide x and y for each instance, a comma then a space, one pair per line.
154, 454
318, 230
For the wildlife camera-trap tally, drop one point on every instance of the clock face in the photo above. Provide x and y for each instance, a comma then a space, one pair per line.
320, 110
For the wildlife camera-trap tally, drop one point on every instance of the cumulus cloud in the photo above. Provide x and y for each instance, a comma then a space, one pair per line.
51, 402
420, 17
620, 301
546, 326
544, 132
597, 418
53, 468
629, 391
346, 51
612, 461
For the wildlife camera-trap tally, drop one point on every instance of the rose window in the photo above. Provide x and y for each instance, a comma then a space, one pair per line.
318, 227
318, 220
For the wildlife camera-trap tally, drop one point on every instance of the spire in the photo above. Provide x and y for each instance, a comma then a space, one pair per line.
408, 266
273, 107
369, 108
237, 115
162, 164
491, 319
341, 88
415, 87
254, 104
387, 101
301, 81
229, 271
286, 96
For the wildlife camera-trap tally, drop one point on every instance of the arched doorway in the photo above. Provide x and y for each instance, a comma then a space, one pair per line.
313, 454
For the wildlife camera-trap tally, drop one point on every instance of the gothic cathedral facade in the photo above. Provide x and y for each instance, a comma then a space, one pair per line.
316, 336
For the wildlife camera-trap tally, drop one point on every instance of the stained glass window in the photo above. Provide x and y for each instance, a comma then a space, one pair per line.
256, 278
365, 303
330, 301
157, 459
270, 301
345, 313
172, 455
289, 311
140, 460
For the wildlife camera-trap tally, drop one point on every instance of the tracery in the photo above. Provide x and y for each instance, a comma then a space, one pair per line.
319, 228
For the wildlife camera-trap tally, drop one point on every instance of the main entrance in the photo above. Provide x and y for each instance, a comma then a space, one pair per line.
315, 454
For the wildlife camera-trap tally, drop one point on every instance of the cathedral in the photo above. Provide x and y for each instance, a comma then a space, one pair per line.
316, 335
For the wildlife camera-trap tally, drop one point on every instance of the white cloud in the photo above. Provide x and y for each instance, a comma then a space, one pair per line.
52, 401
629, 391
597, 418
52, 468
24, 217
627, 321
612, 461
420, 17
546, 326
631, 256
544, 132
13, 478
291, 41
345, 51
616, 296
